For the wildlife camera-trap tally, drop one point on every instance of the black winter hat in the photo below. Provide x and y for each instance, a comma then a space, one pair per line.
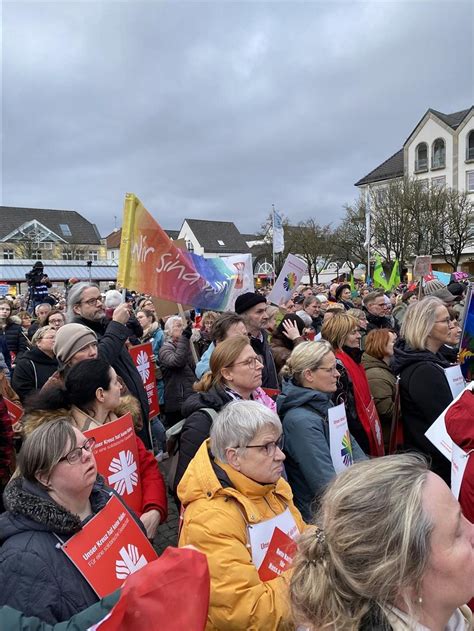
248, 300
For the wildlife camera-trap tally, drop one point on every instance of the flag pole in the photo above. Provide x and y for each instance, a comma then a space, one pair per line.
273, 243
367, 230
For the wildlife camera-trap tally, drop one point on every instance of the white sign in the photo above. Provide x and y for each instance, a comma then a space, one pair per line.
438, 434
288, 279
260, 534
241, 265
422, 266
339, 438
455, 379
458, 466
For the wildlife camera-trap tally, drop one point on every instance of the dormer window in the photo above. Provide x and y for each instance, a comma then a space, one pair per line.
65, 229
470, 146
421, 157
438, 154
220, 242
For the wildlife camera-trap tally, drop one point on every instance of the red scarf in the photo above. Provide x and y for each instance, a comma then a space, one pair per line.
366, 410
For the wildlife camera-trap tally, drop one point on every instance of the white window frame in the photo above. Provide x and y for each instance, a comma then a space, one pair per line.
418, 166
440, 165
438, 182
470, 181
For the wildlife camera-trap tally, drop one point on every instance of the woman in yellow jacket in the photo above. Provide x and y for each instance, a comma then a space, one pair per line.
234, 497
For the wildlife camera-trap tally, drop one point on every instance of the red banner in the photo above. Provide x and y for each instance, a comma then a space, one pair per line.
109, 548
142, 357
116, 454
15, 411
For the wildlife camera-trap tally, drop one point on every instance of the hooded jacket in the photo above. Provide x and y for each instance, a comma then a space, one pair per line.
197, 426
35, 574
177, 365
424, 395
32, 371
220, 505
308, 464
383, 386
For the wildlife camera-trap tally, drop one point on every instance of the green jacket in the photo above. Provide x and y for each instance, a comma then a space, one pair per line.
14, 620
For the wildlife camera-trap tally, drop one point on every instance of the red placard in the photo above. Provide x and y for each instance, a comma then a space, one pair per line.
272, 392
142, 358
109, 548
279, 556
15, 411
116, 454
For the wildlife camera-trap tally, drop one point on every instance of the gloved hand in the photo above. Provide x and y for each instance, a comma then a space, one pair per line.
188, 331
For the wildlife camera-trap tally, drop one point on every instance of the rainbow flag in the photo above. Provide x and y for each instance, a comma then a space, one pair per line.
151, 263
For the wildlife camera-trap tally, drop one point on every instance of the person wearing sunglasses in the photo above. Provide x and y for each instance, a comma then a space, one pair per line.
54, 494
309, 380
229, 492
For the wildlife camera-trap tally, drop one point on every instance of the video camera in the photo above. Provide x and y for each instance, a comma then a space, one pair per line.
35, 275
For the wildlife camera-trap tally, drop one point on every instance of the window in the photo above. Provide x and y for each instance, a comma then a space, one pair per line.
470, 146
424, 184
381, 195
93, 255
438, 155
8, 254
37, 255
189, 246
67, 256
470, 181
438, 182
421, 157
220, 242
65, 229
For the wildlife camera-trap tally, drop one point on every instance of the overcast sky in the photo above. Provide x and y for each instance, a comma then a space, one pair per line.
217, 110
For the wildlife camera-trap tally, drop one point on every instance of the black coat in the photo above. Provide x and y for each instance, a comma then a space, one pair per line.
17, 341
197, 425
36, 576
177, 365
269, 373
111, 337
32, 371
377, 322
424, 395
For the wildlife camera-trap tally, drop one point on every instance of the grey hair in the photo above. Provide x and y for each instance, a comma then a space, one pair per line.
169, 325
44, 447
238, 423
40, 333
419, 320
74, 297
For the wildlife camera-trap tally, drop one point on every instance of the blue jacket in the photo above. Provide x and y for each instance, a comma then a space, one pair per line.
203, 364
308, 457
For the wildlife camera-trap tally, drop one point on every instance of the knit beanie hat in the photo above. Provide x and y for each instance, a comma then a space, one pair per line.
70, 339
248, 300
432, 286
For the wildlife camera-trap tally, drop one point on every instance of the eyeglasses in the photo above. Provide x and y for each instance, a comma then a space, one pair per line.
270, 448
445, 321
76, 454
92, 301
332, 370
58, 321
251, 362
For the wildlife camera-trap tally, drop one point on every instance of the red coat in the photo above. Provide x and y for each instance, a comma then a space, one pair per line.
153, 486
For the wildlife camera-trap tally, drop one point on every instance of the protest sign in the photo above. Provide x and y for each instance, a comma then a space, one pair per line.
142, 358
455, 380
15, 411
151, 263
279, 556
458, 466
422, 266
261, 534
116, 454
241, 265
339, 438
466, 346
288, 279
437, 433
444, 277
109, 548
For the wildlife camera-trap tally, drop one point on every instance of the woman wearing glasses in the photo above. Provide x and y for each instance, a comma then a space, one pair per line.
236, 373
424, 388
230, 491
309, 380
56, 492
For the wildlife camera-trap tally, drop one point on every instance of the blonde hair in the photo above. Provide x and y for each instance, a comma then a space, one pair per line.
419, 319
223, 356
371, 545
40, 333
336, 329
305, 356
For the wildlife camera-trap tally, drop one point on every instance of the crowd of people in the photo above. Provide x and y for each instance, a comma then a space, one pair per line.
366, 538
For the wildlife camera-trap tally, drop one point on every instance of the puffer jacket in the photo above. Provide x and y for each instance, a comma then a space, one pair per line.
36, 576
197, 425
383, 387
177, 365
424, 395
308, 464
17, 341
220, 505
32, 371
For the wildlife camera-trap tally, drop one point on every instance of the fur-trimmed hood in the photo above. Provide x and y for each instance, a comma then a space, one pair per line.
29, 508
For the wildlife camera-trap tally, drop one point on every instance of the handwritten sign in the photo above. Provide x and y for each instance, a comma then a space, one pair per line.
109, 548
116, 454
142, 358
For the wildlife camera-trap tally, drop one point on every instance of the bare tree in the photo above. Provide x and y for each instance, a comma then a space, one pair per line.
457, 232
